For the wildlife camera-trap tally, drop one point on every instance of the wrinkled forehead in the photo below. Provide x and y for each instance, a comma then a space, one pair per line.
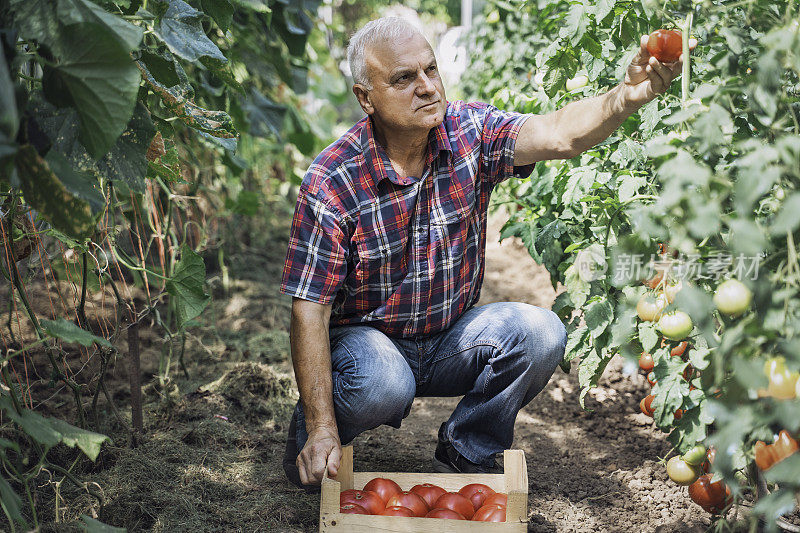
390, 54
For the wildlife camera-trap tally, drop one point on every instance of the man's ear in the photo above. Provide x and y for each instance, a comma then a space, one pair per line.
362, 94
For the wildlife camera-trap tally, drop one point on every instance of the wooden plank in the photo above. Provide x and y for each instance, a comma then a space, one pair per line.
516, 485
450, 482
345, 473
350, 523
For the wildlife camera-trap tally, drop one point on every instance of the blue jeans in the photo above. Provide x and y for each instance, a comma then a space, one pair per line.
498, 356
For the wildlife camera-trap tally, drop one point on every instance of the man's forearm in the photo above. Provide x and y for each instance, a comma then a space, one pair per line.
311, 358
592, 120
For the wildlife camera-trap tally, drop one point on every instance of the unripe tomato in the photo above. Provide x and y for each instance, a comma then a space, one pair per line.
732, 297
456, 502
646, 362
367, 499
681, 472
646, 405
649, 308
476, 493
577, 82
782, 383
385, 488
675, 325
398, 511
351, 508
695, 456
409, 500
429, 493
672, 290
490, 513
665, 45
444, 513
712, 497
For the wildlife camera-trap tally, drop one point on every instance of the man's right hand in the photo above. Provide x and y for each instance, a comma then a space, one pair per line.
322, 450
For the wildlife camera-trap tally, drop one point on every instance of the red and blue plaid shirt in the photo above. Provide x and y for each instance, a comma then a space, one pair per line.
402, 254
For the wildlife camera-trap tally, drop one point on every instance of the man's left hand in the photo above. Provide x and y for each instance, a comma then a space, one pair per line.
647, 77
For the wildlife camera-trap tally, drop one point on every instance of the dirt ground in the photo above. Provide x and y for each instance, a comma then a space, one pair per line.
210, 458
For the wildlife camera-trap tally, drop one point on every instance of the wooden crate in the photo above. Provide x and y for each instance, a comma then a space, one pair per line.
514, 483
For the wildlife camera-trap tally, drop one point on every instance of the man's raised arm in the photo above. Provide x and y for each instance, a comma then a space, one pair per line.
575, 128
311, 357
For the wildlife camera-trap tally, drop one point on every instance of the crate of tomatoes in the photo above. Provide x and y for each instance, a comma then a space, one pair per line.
365, 502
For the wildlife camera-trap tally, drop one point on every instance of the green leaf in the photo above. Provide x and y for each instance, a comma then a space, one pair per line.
34, 424
786, 221
592, 367
44, 192
11, 502
88, 442
602, 8
265, 116
181, 29
574, 24
580, 179
669, 390
698, 357
690, 429
219, 10
96, 526
577, 288
186, 286
79, 184
68, 332
629, 185
647, 335
575, 343
598, 316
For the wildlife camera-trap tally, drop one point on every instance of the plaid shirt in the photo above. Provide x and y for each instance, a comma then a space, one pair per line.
402, 254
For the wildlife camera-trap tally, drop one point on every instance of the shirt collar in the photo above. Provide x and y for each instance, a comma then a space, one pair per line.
377, 163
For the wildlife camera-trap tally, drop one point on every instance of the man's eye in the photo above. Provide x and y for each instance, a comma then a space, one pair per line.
432, 68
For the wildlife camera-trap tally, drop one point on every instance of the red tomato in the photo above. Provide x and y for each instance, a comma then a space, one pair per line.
678, 414
409, 500
665, 45
651, 379
646, 405
429, 493
646, 362
679, 349
398, 511
367, 499
712, 497
385, 488
444, 513
456, 502
498, 498
351, 508
769, 454
490, 513
476, 493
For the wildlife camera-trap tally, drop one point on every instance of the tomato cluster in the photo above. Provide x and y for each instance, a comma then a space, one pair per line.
382, 496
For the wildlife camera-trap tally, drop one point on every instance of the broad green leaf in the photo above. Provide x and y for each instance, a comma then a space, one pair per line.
602, 8
78, 183
96, 526
43, 191
787, 219
181, 29
574, 24
698, 357
670, 389
219, 10
577, 288
260, 6
11, 502
580, 179
647, 335
689, 430
9, 119
33, 424
628, 186
598, 316
6, 444
265, 116
776, 504
592, 367
575, 343
88, 442
68, 332
746, 237
186, 286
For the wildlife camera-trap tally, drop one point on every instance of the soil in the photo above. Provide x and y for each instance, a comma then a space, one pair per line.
209, 459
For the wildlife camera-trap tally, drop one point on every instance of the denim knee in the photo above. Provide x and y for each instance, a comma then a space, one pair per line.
543, 334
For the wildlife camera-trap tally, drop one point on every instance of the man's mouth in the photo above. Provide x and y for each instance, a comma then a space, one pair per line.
426, 105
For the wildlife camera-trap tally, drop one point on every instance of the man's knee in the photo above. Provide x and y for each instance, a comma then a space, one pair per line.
541, 333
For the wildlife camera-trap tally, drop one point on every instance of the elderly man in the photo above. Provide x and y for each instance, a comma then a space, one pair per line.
386, 257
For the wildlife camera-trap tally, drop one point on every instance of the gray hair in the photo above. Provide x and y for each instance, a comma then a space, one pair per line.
373, 32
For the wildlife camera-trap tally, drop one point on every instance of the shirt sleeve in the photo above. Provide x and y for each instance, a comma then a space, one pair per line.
316, 261
498, 139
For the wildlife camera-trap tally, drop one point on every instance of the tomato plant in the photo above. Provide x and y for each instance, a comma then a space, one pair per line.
490, 513
428, 492
665, 45
409, 500
476, 493
712, 497
384, 488
456, 502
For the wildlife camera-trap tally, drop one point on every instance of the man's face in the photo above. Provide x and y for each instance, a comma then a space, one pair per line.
407, 91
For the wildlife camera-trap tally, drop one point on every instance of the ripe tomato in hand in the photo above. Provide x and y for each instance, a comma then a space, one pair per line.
398, 511
498, 498
409, 500
444, 513
712, 497
385, 488
456, 502
428, 492
490, 513
367, 499
646, 362
682, 472
351, 508
476, 493
665, 45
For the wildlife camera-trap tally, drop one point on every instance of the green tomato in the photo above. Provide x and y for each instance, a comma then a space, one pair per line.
732, 297
577, 82
681, 472
695, 456
675, 325
649, 309
493, 17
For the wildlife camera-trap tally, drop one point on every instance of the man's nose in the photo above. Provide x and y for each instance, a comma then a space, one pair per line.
425, 85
